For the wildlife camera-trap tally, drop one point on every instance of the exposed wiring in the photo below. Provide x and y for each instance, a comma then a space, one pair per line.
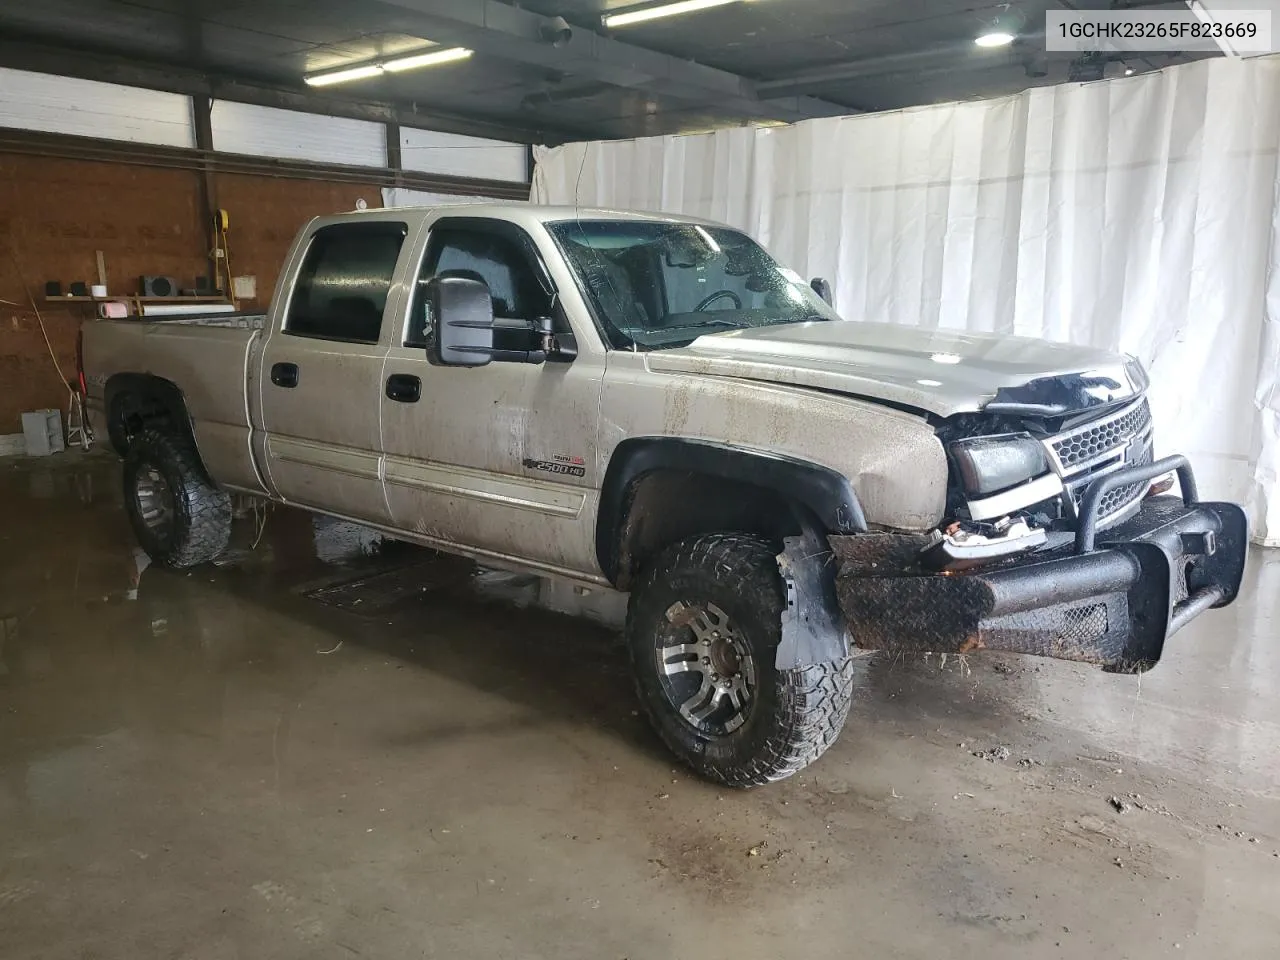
260, 521
17, 268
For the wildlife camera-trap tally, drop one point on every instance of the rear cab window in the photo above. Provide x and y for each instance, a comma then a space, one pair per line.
341, 289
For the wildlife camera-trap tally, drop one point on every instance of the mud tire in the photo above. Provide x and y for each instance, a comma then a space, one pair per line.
795, 715
198, 521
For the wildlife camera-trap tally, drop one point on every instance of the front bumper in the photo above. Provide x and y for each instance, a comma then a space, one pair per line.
1109, 598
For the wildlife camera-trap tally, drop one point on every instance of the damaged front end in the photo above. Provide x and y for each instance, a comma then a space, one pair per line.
1054, 588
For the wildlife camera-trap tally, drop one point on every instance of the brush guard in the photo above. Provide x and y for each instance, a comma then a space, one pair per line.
1109, 597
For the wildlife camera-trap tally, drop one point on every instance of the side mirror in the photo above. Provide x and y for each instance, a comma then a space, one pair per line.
460, 321
462, 327
822, 288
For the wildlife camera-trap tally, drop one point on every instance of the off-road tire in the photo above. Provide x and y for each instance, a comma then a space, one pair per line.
201, 513
796, 714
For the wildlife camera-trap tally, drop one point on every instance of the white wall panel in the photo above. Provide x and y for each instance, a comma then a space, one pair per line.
272, 132
404, 197
459, 156
86, 108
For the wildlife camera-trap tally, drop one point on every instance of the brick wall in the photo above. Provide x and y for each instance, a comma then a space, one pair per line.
54, 215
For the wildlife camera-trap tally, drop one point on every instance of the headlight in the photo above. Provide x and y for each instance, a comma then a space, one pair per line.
988, 465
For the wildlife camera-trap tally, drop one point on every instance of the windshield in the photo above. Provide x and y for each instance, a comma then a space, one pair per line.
656, 285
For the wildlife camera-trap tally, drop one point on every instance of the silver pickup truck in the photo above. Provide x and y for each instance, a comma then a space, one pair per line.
654, 405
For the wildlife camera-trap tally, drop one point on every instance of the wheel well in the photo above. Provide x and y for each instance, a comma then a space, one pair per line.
137, 402
664, 507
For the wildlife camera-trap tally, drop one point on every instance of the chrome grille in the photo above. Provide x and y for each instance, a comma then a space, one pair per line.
1093, 440
1092, 450
1114, 501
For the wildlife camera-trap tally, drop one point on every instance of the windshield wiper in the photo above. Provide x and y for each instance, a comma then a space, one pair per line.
710, 322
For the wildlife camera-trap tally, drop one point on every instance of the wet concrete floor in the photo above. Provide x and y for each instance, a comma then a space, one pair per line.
331, 746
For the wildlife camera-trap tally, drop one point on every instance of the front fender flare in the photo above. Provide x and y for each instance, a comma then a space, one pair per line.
823, 492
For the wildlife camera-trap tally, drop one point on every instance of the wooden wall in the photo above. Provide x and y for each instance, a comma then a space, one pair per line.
55, 213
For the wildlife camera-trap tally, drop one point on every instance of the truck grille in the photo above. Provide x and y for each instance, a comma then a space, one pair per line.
1088, 452
1093, 440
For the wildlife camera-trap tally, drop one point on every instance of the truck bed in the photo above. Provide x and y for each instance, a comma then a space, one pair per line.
209, 359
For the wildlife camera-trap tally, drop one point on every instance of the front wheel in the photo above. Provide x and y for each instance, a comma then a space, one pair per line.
179, 517
703, 627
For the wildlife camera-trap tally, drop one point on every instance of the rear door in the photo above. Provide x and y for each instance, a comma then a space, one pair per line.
321, 375
498, 458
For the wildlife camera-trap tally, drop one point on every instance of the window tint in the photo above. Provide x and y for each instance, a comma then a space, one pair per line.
342, 287
497, 260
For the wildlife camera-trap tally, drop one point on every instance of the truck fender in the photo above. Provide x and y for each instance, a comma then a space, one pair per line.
821, 491
157, 396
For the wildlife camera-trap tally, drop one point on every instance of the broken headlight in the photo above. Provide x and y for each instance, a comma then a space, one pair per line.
988, 465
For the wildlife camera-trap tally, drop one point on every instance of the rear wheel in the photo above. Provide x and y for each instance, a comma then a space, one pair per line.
703, 628
179, 517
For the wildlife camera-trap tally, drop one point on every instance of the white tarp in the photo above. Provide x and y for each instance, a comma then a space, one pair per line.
1139, 214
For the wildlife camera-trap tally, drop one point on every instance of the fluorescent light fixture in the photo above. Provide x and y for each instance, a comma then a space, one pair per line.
411, 62
417, 60
996, 38
342, 76
628, 17
945, 358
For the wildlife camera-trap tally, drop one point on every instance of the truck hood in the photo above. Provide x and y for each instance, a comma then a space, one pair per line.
941, 372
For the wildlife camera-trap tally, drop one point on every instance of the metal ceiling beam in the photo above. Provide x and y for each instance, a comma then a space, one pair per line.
496, 29
92, 65
949, 56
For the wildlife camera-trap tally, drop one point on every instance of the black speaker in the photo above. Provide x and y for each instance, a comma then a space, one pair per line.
158, 286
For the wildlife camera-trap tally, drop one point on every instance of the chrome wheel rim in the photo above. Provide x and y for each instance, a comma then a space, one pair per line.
705, 668
153, 498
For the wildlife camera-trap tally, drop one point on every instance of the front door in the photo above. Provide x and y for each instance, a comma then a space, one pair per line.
321, 376
498, 458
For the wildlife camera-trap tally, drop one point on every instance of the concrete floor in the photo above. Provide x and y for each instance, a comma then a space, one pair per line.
334, 747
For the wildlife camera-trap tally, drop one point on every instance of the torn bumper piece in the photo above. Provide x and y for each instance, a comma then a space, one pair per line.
1111, 598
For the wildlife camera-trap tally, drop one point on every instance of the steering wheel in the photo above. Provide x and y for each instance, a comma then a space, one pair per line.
718, 295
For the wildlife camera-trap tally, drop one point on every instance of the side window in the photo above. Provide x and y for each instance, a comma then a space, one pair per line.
497, 260
342, 287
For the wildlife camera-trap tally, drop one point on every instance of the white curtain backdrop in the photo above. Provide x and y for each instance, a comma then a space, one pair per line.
1139, 214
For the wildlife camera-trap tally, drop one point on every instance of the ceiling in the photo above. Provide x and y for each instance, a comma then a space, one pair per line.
762, 61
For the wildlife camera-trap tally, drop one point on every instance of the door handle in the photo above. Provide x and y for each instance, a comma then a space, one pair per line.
284, 374
404, 388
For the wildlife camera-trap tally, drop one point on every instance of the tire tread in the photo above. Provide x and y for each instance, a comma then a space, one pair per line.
813, 701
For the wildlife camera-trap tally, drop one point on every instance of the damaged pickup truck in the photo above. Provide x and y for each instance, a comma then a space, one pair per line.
653, 405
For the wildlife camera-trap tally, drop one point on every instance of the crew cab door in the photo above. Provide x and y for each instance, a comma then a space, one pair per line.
500, 458
320, 381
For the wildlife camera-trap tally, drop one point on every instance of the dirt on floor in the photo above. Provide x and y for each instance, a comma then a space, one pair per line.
330, 745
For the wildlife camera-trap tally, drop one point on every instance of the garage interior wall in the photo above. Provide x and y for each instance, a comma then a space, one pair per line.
146, 217
1138, 214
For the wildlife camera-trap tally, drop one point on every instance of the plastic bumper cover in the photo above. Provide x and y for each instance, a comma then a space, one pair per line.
1110, 598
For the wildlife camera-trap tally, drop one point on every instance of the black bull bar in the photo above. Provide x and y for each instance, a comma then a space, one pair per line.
1110, 598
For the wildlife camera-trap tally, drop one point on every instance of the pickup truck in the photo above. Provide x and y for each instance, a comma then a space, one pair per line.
653, 405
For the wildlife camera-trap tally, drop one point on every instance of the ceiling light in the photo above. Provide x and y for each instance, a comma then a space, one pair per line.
426, 59
1128, 71
627, 17
945, 358
411, 62
342, 76
996, 38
